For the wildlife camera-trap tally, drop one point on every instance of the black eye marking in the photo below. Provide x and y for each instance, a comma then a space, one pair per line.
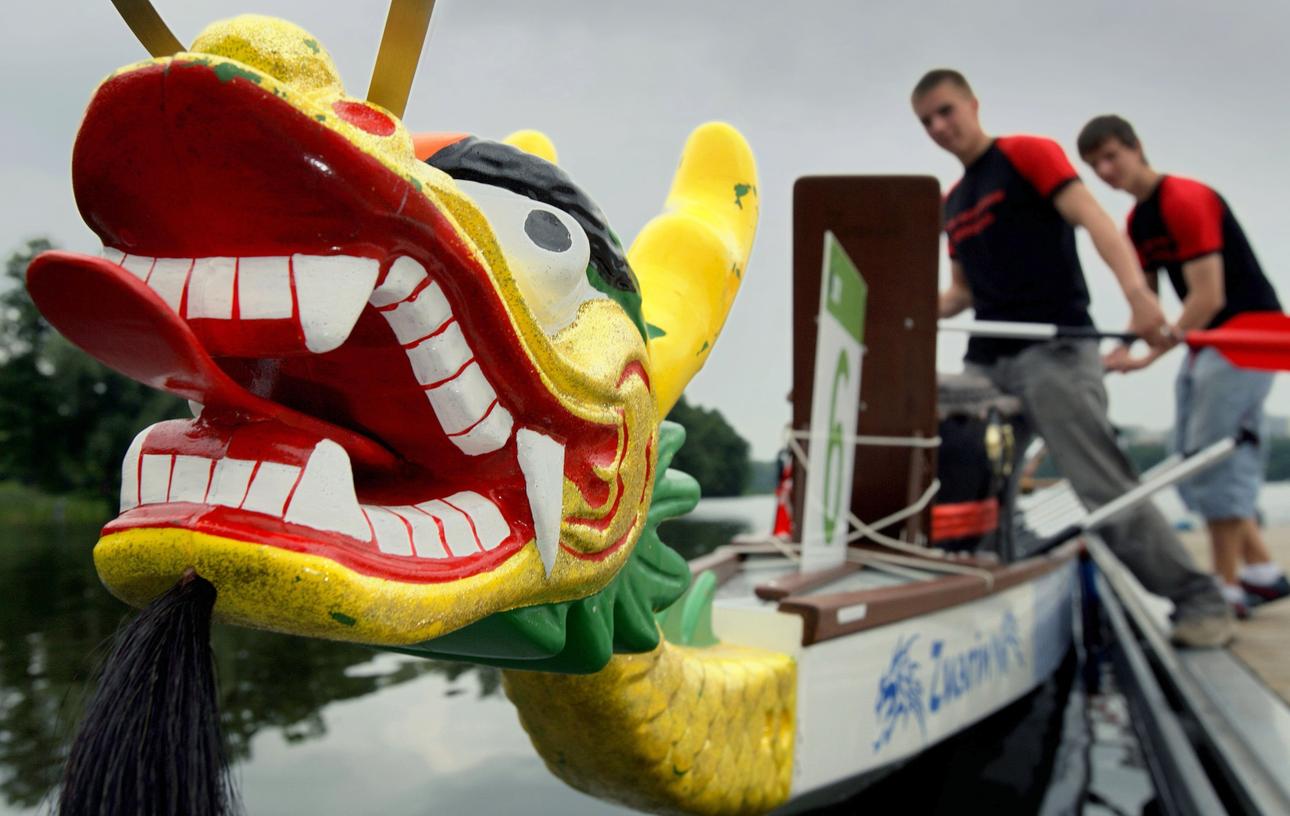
547, 231
500, 165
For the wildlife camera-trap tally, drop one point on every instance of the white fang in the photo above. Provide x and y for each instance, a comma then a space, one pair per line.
542, 463
332, 291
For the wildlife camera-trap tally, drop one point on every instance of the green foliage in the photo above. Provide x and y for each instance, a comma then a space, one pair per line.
65, 420
763, 477
22, 505
714, 453
1278, 459
1145, 455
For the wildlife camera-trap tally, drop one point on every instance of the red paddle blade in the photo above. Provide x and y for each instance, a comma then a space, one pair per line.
1250, 340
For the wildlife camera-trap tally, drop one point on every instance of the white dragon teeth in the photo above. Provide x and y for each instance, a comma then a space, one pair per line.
169, 275
462, 401
231, 481
154, 478
542, 463
189, 479
271, 485
138, 265
489, 527
420, 316
320, 495
264, 288
325, 293
332, 291
325, 498
130, 471
210, 289
487, 436
440, 356
462, 524
460, 394
393, 535
454, 529
402, 279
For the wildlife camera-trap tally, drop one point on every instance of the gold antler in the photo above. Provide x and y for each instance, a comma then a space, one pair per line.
396, 61
148, 27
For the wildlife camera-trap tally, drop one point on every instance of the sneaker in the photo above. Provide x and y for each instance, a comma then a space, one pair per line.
1263, 593
1203, 631
1238, 600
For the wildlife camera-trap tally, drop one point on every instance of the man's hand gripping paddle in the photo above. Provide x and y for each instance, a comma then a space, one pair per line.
1250, 340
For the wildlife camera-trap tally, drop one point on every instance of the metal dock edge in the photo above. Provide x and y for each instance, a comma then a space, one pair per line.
1215, 738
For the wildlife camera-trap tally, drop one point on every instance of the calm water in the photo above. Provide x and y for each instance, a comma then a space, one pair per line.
327, 728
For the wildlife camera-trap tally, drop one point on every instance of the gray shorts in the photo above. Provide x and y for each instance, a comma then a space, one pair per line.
1215, 400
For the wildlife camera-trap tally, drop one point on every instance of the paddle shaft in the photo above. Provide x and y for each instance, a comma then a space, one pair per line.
1250, 340
1164, 478
1030, 331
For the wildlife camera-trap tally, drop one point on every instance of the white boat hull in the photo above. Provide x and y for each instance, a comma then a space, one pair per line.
875, 698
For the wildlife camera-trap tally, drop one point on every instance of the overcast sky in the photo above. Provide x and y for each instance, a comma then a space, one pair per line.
817, 87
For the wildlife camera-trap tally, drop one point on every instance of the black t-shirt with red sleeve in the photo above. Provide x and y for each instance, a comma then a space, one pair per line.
1017, 251
1183, 220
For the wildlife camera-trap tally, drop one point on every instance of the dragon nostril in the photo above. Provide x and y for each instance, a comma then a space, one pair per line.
364, 117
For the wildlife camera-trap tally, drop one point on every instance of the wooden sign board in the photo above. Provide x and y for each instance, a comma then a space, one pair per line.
890, 227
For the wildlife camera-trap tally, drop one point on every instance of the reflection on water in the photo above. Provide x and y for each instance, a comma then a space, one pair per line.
310, 733
58, 621
56, 614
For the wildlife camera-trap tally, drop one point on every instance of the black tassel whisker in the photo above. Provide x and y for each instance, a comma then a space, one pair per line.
150, 741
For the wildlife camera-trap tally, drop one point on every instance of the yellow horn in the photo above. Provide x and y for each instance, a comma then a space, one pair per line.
535, 142
691, 259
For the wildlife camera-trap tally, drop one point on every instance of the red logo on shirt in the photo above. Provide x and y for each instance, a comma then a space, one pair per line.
974, 220
1159, 250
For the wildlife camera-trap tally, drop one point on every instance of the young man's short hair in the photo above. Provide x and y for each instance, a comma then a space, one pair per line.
1101, 129
935, 77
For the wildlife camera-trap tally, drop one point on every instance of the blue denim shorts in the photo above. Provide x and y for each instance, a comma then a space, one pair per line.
1215, 400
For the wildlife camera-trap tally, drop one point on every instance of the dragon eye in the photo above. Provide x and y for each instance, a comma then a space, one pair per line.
545, 248
547, 231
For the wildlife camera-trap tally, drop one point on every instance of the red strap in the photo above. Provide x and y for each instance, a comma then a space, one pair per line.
964, 519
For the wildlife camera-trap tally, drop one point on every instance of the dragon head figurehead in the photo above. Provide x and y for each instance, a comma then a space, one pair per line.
427, 382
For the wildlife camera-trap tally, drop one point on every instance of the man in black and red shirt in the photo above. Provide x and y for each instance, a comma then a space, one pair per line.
1186, 229
1010, 222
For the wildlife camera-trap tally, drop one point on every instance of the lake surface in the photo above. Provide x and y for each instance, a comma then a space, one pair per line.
326, 728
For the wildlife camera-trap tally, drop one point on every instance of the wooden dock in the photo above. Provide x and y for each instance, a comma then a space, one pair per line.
1263, 641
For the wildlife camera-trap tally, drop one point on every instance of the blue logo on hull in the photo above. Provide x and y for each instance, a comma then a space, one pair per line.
900, 693
953, 676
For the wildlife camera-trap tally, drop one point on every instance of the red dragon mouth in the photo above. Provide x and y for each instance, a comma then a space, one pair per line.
365, 393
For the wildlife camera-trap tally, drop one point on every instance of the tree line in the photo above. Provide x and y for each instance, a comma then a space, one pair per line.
65, 420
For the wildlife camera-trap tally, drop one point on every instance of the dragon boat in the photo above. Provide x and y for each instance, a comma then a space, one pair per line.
429, 387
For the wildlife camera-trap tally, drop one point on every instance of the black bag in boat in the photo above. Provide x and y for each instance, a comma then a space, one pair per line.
974, 506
